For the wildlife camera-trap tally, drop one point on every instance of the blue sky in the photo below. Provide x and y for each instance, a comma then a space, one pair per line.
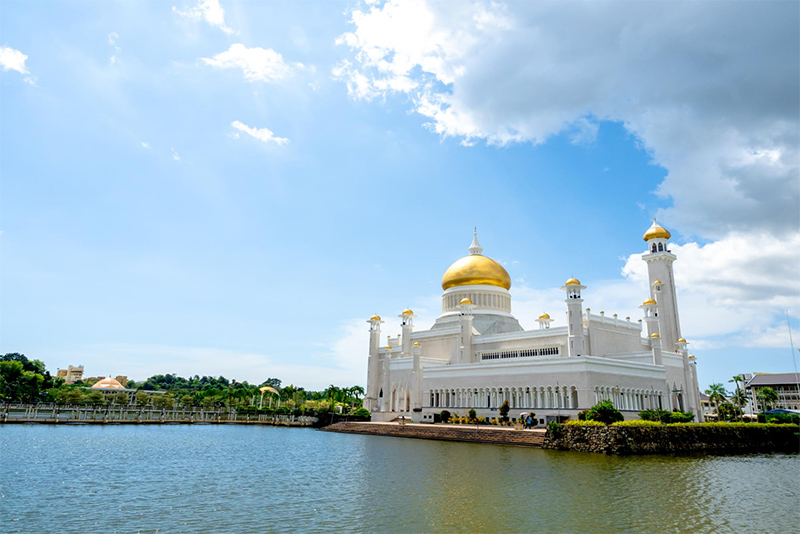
234, 187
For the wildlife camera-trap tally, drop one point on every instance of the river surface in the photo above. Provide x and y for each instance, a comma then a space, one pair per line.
230, 478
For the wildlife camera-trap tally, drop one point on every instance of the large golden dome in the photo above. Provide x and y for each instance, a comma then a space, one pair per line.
476, 269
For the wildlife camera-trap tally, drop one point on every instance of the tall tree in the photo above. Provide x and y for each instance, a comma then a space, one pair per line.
767, 398
716, 394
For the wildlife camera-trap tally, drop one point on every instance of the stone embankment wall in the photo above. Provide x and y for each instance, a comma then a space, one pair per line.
720, 437
468, 433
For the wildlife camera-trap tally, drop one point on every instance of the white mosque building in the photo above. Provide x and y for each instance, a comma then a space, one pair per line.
477, 355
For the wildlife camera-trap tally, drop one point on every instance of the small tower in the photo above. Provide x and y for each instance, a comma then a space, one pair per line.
698, 408
659, 261
544, 321
373, 364
416, 381
655, 345
465, 338
577, 341
475, 247
650, 308
407, 325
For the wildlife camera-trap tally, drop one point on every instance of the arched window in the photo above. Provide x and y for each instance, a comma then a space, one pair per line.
661, 247
654, 247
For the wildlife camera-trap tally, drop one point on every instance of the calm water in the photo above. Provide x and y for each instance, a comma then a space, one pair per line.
264, 479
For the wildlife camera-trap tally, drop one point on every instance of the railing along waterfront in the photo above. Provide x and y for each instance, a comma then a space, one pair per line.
60, 413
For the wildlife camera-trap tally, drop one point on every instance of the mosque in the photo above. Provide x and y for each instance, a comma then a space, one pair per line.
477, 355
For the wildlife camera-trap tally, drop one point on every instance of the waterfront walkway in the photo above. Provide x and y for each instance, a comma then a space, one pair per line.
502, 435
122, 415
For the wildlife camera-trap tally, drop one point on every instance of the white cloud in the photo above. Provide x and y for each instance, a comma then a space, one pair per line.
145, 144
710, 89
175, 155
112, 40
209, 10
257, 64
11, 59
262, 134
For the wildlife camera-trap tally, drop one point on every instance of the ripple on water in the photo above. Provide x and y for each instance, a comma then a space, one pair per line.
262, 479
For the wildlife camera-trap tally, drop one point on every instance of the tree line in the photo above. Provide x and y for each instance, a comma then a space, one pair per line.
24, 380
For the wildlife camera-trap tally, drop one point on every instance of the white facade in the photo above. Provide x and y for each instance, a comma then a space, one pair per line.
477, 355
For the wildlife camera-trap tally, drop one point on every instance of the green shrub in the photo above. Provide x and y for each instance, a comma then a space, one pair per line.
444, 416
362, 412
582, 415
659, 415
638, 423
504, 411
555, 430
472, 414
604, 412
782, 418
679, 416
583, 423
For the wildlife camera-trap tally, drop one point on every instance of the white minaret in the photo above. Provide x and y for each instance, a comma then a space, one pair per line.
407, 325
698, 410
465, 320
655, 345
416, 381
373, 365
662, 284
576, 346
386, 404
650, 308
544, 321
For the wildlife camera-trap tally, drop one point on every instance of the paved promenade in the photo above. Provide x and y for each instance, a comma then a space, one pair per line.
468, 433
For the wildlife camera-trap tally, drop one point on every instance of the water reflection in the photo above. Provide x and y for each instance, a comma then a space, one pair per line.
263, 479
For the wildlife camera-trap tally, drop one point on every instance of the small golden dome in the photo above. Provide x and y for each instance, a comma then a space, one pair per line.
649, 302
657, 283
416, 343
375, 318
388, 347
407, 312
656, 231
655, 334
691, 357
464, 301
476, 269
572, 282
544, 316
107, 383
681, 340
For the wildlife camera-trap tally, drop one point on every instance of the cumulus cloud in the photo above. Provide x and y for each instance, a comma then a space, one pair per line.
145, 144
711, 90
262, 134
12, 59
257, 64
210, 11
175, 156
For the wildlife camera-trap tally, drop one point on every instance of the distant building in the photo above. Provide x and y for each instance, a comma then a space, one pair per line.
784, 384
707, 406
71, 374
122, 379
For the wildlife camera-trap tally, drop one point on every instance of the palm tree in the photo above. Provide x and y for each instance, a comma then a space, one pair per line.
767, 397
740, 398
736, 379
357, 391
716, 394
